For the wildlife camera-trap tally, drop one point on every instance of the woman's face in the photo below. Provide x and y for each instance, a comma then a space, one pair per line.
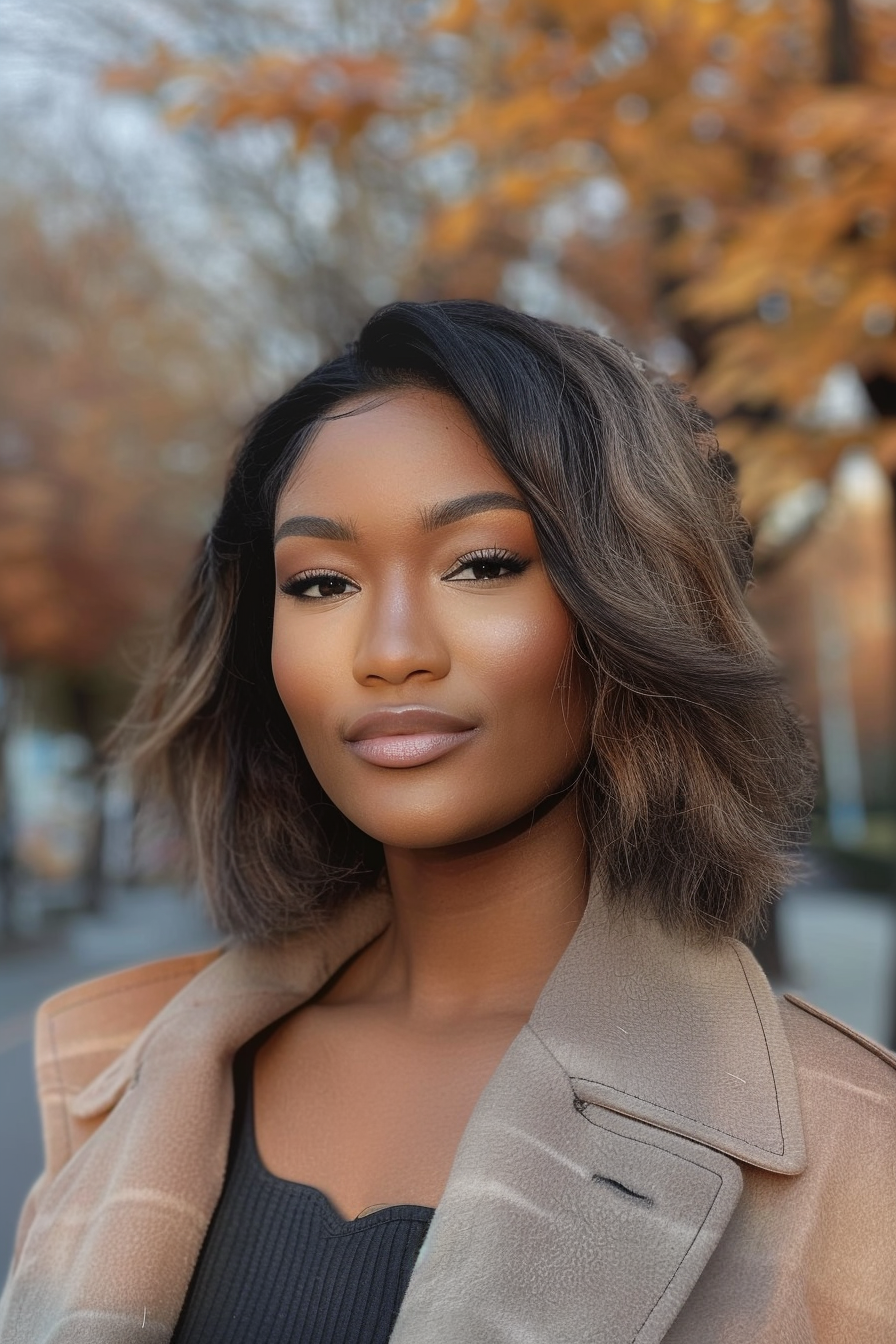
419, 647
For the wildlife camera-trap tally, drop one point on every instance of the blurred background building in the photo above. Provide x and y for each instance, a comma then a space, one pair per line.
202, 198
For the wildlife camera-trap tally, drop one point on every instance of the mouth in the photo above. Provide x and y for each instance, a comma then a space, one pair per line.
407, 735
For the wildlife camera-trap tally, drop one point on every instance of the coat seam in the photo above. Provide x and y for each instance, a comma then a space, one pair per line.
54, 1050
768, 1052
667, 1110
872, 1047
121, 989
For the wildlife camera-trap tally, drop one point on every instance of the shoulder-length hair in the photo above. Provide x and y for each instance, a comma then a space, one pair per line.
698, 785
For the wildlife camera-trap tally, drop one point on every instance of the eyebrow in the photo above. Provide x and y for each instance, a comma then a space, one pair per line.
436, 516
326, 529
453, 510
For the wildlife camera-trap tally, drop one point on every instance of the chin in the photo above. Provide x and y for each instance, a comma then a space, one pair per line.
428, 830
420, 834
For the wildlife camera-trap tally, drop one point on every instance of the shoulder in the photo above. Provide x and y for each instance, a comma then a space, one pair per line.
819, 1040
847, 1082
114, 1008
81, 1030
836, 1218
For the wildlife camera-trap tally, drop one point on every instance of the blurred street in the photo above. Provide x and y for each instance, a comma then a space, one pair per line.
838, 946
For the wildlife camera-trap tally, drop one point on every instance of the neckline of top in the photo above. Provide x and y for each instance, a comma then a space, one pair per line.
245, 1118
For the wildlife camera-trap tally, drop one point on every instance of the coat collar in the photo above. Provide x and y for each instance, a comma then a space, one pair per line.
237, 995
683, 1037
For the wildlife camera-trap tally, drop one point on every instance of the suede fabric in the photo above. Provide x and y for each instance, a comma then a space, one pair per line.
664, 1153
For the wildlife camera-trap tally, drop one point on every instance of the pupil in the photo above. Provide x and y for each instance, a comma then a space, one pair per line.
331, 587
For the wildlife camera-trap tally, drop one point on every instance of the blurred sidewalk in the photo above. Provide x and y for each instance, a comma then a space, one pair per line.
136, 924
838, 947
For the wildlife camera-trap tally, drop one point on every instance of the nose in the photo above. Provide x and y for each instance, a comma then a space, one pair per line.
400, 639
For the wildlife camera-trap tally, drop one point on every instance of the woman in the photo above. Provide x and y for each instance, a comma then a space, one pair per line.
485, 767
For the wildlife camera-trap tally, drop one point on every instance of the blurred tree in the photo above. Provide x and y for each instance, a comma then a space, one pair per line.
117, 411
283, 255
712, 180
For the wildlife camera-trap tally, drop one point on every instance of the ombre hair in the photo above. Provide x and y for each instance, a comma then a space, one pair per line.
697, 789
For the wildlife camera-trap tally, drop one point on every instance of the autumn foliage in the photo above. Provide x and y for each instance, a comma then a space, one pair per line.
112, 408
712, 181
716, 179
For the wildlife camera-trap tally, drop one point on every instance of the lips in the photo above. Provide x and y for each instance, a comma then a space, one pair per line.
407, 735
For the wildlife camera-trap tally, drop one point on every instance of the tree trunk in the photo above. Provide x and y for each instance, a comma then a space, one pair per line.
842, 55
85, 715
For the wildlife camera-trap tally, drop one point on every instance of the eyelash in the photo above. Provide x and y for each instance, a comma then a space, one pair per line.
508, 560
515, 564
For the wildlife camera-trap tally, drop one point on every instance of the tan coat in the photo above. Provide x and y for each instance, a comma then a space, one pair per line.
664, 1153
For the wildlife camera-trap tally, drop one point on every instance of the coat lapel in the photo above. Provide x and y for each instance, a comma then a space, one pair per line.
562, 1222
595, 1177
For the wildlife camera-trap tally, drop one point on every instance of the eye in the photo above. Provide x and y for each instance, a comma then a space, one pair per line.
486, 567
318, 585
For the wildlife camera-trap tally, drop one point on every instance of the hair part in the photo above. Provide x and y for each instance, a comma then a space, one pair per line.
697, 790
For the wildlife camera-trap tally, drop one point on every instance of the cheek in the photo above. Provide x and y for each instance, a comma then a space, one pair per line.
303, 673
522, 670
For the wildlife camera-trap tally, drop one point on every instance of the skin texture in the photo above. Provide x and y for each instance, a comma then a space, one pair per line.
484, 852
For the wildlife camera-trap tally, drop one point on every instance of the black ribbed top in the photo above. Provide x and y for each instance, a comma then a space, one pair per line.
279, 1265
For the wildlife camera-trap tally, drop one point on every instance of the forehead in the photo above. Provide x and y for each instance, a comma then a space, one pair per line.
414, 445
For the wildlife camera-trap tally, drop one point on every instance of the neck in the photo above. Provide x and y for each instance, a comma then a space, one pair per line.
479, 927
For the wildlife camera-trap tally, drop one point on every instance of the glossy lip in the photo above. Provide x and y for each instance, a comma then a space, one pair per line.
407, 735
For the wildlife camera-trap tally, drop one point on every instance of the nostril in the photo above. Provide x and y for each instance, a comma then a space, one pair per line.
621, 1189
